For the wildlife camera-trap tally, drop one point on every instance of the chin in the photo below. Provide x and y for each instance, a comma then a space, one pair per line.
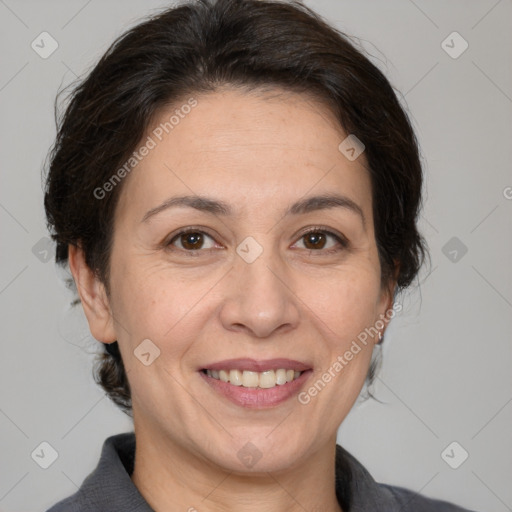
261, 454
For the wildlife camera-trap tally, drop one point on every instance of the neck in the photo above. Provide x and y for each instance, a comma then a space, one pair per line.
169, 477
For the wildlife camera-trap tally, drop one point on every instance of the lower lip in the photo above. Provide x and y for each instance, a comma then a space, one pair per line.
257, 398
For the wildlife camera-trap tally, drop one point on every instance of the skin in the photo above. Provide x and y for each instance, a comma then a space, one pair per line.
260, 153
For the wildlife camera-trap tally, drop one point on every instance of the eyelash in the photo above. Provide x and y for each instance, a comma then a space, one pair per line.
343, 242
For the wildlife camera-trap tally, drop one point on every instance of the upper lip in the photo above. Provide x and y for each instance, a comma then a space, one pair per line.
254, 365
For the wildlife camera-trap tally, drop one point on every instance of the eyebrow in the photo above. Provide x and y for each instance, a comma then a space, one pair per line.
215, 207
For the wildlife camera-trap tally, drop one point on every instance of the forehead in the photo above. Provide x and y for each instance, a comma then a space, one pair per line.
257, 149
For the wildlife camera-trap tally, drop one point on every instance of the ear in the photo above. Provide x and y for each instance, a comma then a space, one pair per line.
93, 296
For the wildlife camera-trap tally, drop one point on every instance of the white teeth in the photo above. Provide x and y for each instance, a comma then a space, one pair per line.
248, 379
281, 377
235, 377
267, 379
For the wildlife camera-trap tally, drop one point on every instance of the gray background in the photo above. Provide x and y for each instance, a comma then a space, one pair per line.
447, 357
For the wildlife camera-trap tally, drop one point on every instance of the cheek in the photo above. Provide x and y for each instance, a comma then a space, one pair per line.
346, 301
141, 302
154, 303
343, 315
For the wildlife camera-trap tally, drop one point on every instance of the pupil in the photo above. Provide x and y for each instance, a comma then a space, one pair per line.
195, 237
315, 238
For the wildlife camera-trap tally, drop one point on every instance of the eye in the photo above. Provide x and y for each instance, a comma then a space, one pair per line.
191, 240
315, 239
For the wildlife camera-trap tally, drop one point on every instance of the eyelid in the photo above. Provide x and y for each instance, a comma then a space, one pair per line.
324, 229
340, 238
183, 231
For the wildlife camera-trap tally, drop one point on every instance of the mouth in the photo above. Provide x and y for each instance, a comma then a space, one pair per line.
264, 380
256, 384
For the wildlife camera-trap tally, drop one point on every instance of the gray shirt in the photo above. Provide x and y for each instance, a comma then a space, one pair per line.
109, 487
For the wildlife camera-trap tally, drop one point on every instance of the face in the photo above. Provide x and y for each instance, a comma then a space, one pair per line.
266, 280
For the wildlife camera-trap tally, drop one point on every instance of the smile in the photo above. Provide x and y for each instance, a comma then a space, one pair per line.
248, 379
256, 384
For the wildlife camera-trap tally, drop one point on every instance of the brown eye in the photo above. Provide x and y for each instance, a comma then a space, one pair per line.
191, 240
315, 240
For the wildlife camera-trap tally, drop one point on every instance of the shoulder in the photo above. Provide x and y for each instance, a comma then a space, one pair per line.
80, 501
357, 490
409, 500
109, 486
71, 504
87, 498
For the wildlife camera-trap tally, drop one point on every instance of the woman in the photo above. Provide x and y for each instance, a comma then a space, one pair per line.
235, 188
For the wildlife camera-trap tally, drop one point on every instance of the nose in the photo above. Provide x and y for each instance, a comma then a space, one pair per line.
260, 298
